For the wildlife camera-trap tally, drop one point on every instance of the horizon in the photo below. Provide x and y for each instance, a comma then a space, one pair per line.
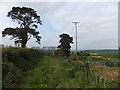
56, 47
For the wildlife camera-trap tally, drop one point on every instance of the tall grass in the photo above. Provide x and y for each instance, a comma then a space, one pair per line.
17, 62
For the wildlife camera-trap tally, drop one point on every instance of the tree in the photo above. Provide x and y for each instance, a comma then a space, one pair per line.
28, 20
65, 44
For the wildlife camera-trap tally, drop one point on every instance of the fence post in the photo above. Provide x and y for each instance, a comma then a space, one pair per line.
87, 71
103, 81
98, 81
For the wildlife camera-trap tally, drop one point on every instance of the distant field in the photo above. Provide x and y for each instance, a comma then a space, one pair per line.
106, 53
109, 57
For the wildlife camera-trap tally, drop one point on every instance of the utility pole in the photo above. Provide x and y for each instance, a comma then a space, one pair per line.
76, 22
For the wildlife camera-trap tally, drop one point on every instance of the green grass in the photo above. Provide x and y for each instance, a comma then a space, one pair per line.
38, 77
51, 72
56, 73
15, 63
45, 71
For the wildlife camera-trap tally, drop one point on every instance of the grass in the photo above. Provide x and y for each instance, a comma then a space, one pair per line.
45, 71
53, 73
38, 77
15, 63
57, 73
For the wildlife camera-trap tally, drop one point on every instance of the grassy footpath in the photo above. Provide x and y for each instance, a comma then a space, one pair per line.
45, 74
53, 73
38, 77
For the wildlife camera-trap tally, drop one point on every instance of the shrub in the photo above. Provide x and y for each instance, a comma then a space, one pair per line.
17, 61
73, 57
11, 75
22, 58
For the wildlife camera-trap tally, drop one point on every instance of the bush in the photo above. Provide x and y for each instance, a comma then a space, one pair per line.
11, 75
22, 58
73, 57
16, 62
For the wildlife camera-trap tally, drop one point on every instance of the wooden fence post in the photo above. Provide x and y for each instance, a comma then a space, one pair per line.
98, 81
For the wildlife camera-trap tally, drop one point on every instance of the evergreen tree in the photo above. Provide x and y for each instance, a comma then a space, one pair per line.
65, 41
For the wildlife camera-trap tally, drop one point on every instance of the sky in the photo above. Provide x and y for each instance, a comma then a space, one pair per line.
98, 27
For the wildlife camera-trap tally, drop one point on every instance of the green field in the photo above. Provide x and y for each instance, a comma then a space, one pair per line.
31, 68
106, 53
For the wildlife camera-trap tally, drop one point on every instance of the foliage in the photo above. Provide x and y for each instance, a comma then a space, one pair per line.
17, 62
73, 57
58, 73
28, 20
65, 44
112, 63
11, 75
80, 56
53, 72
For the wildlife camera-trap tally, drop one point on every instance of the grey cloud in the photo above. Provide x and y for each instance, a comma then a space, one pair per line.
98, 22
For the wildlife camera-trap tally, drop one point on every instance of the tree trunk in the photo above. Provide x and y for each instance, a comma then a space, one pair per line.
23, 44
24, 40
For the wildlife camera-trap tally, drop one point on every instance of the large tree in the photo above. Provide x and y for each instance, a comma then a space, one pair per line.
65, 41
28, 20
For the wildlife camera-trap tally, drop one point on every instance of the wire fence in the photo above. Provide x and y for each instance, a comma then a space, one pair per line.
98, 77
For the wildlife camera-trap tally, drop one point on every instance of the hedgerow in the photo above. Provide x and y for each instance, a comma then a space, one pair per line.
16, 62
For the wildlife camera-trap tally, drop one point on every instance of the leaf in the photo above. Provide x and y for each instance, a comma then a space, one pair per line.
34, 25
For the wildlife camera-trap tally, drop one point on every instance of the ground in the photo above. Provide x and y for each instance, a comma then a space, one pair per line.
59, 73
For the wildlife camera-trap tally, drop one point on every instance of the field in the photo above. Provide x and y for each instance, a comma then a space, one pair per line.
31, 68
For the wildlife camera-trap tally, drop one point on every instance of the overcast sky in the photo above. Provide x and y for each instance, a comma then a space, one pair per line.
98, 27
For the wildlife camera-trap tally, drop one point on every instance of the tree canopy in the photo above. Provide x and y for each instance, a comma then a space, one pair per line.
65, 41
28, 20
